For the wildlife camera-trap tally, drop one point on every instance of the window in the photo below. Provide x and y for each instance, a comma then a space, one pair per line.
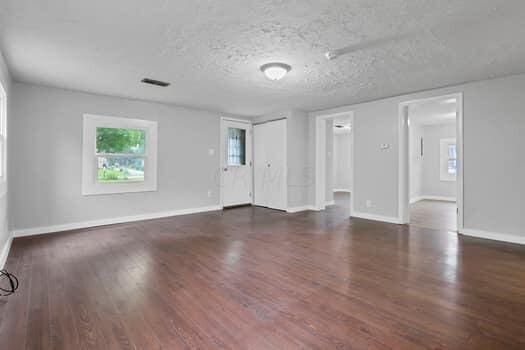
448, 160
119, 155
236, 146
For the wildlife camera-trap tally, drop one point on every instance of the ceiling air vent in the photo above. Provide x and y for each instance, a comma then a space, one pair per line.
339, 126
155, 82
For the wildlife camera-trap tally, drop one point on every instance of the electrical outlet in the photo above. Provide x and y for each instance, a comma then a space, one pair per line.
210, 193
368, 203
211, 151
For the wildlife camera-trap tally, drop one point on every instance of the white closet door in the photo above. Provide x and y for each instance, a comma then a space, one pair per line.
276, 157
270, 169
260, 164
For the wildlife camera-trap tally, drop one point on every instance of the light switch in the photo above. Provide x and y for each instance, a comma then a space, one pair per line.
211, 151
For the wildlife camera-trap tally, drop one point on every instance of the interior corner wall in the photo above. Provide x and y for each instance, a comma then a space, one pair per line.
431, 184
493, 124
5, 79
329, 176
46, 158
342, 161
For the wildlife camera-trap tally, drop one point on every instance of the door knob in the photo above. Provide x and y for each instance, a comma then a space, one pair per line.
269, 165
225, 169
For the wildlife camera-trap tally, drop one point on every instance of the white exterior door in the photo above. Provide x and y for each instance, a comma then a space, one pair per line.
236, 161
270, 170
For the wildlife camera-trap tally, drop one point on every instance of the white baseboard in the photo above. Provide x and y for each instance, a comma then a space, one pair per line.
496, 236
342, 190
389, 219
110, 221
328, 203
301, 208
432, 198
5, 251
416, 199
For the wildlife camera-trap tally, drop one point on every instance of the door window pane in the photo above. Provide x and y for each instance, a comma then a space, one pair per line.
452, 166
236, 146
126, 141
120, 169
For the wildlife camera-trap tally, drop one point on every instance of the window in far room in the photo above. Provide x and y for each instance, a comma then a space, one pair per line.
448, 160
119, 155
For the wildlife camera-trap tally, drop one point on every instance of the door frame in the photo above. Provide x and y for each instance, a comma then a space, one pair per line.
403, 161
222, 158
320, 159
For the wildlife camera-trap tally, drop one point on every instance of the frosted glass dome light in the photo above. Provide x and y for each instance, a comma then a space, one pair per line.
275, 71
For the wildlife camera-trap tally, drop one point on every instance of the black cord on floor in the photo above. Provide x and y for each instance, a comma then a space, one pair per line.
13, 283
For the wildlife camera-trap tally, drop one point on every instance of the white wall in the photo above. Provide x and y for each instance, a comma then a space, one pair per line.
494, 125
431, 182
342, 162
46, 164
5, 239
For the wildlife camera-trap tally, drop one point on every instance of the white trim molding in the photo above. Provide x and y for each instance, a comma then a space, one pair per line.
495, 236
329, 203
375, 217
432, 198
90, 157
320, 157
301, 208
110, 221
347, 190
5, 251
404, 199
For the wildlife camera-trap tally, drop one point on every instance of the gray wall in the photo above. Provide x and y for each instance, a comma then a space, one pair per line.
342, 162
300, 173
45, 158
431, 182
494, 125
4, 232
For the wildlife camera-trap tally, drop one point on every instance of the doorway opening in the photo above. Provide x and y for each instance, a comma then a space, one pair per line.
334, 162
432, 149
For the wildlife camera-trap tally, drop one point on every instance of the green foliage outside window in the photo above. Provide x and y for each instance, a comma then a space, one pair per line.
113, 140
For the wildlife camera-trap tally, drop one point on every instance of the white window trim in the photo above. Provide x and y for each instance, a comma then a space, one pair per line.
90, 185
3, 141
443, 160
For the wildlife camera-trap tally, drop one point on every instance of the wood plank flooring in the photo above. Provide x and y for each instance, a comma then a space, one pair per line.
253, 278
434, 214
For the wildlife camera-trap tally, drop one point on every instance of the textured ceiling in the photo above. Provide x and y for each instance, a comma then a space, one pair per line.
211, 50
432, 112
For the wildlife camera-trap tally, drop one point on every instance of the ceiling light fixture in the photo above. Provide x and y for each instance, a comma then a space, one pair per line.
275, 70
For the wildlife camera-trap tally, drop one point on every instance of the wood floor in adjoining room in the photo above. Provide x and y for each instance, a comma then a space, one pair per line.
253, 278
439, 215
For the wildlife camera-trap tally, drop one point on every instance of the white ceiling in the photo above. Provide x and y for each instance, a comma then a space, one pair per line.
432, 112
211, 50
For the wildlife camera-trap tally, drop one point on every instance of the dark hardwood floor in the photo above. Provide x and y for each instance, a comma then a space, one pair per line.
252, 278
